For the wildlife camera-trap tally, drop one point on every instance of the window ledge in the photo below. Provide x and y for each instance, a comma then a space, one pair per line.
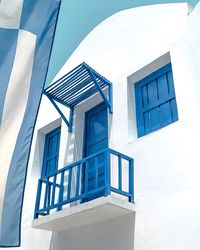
95, 211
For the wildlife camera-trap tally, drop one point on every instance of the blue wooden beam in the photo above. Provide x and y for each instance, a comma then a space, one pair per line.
98, 87
68, 123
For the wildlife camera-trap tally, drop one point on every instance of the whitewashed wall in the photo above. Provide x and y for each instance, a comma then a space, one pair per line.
167, 172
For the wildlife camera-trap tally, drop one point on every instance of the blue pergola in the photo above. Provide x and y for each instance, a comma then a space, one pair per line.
76, 86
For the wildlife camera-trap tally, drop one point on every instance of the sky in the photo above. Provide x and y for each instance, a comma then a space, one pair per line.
78, 18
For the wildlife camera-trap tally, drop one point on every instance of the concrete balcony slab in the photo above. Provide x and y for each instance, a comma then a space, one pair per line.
95, 211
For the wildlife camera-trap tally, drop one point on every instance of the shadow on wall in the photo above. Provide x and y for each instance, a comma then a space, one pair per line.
69, 152
115, 234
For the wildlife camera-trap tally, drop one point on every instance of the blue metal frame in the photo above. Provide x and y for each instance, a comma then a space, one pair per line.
76, 86
50, 184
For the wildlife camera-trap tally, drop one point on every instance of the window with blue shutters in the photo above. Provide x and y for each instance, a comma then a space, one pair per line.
51, 152
155, 101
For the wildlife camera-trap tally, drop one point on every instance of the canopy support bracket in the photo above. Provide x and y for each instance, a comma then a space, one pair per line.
108, 101
71, 113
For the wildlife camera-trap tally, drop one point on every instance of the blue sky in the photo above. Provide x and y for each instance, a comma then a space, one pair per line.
78, 17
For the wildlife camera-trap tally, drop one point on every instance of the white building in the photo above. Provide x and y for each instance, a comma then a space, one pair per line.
158, 127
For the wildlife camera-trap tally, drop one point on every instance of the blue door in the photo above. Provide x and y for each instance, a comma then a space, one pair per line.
96, 139
51, 153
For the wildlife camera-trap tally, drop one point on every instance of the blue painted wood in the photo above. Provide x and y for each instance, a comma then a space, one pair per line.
45, 205
79, 84
131, 180
111, 98
55, 84
96, 139
155, 101
83, 96
69, 184
61, 190
53, 189
85, 176
96, 173
48, 202
79, 76
51, 153
78, 173
97, 85
123, 156
74, 94
104, 189
174, 110
38, 197
57, 100
119, 173
107, 173
76, 86
71, 117
59, 111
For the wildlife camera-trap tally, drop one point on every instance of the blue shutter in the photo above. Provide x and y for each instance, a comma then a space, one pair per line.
155, 101
51, 152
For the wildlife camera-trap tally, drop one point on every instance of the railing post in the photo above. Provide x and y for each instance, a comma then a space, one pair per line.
131, 180
86, 178
69, 184
110, 89
96, 173
37, 203
120, 172
61, 191
107, 172
53, 189
78, 172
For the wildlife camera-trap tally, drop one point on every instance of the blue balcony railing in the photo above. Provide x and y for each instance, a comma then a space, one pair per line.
85, 180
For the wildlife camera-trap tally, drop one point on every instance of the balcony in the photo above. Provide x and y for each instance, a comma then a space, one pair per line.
94, 189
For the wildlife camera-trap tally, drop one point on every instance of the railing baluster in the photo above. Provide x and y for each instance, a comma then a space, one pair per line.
120, 172
61, 191
131, 178
86, 177
69, 184
46, 193
49, 196
53, 189
107, 172
37, 204
96, 172
78, 179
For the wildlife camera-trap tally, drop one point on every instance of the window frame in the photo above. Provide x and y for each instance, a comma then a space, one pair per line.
140, 110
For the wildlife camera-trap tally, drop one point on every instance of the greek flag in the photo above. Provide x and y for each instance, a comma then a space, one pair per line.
26, 33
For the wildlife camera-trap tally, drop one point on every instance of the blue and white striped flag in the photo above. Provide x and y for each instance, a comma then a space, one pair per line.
27, 29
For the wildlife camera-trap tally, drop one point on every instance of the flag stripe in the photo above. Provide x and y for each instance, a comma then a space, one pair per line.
31, 22
14, 191
8, 42
21, 72
10, 13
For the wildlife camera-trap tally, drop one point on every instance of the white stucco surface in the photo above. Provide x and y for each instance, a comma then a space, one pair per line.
95, 211
167, 173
